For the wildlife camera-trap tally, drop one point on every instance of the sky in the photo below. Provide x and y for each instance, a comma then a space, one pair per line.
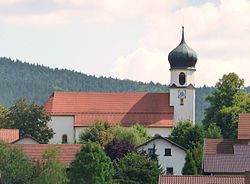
128, 39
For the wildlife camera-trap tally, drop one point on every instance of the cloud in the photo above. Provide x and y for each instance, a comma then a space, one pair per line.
218, 32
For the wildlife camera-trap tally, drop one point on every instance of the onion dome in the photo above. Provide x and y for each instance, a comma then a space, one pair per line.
182, 56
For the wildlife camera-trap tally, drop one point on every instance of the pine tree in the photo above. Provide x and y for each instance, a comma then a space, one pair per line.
189, 167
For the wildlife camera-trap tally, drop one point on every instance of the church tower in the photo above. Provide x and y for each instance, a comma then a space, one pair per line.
182, 85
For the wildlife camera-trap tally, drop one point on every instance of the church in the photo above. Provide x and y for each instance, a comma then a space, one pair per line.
72, 112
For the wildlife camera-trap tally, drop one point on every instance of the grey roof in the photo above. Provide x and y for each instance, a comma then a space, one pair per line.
182, 56
238, 162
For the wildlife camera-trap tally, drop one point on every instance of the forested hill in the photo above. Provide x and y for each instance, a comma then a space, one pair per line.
36, 83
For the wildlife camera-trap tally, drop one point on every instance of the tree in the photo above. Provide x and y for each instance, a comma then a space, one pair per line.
3, 114
117, 149
135, 135
100, 133
197, 153
91, 165
187, 135
136, 168
189, 166
49, 170
30, 119
15, 166
226, 102
213, 132
154, 156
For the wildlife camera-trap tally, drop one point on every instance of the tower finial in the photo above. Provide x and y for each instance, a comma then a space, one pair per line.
182, 38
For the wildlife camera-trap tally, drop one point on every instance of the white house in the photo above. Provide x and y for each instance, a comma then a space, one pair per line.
72, 112
26, 140
171, 156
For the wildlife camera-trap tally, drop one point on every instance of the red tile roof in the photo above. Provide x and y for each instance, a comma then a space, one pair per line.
67, 152
149, 109
244, 126
9, 135
220, 146
202, 180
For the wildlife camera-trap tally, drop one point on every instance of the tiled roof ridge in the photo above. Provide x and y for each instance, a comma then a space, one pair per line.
110, 112
107, 92
212, 176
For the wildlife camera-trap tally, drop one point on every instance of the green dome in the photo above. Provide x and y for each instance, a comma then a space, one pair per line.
182, 56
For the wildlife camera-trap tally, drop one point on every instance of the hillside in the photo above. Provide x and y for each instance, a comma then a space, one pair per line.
36, 83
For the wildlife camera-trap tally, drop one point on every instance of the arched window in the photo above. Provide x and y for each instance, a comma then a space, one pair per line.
182, 78
64, 139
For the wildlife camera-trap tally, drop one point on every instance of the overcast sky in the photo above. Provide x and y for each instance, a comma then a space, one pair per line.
128, 39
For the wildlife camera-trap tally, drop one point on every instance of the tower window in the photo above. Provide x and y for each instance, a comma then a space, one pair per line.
181, 101
182, 78
64, 139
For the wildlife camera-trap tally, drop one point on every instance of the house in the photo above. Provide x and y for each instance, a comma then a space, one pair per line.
9, 135
26, 140
72, 112
229, 156
204, 180
67, 152
171, 156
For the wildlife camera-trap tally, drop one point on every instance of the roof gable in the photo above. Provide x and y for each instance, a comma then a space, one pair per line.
162, 138
67, 152
9, 135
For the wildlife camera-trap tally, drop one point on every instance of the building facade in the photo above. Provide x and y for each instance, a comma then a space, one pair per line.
72, 112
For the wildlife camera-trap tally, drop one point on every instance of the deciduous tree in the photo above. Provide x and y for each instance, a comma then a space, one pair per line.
226, 102
30, 119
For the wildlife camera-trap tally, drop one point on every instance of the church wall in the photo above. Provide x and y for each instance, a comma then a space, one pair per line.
62, 125
164, 132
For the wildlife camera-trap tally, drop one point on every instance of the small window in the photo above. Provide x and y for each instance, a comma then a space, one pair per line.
170, 170
168, 152
150, 151
182, 78
64, 139
181, 101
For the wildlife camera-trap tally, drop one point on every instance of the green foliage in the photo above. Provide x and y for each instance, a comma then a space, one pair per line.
213, 132
3, 114
135, 135
15, 167
187, 135
189, 166
15, 85
49, 170
103, 133
136, 169
154, 156
226, 102
99, 133
197, 153
91, 165
30, 119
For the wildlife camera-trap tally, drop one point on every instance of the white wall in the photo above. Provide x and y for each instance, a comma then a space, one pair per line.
177, 160
186, 111
62, 125
26, 140
164, 132
78, 131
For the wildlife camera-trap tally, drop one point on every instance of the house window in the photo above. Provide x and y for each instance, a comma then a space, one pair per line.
150, 151
170, 170
182, 78
168, 152
64, 139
